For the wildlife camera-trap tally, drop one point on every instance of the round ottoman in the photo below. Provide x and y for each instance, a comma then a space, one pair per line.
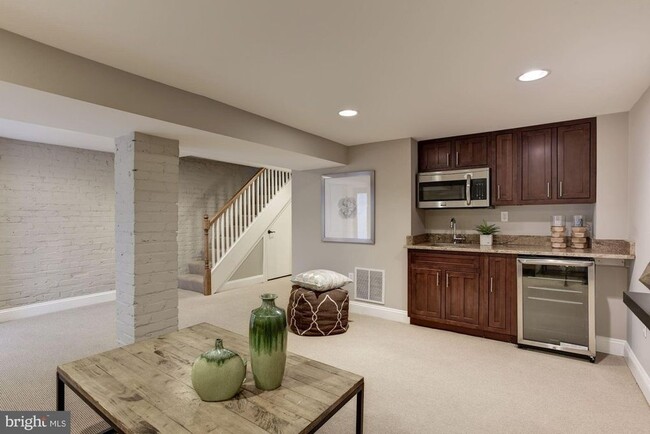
313, 313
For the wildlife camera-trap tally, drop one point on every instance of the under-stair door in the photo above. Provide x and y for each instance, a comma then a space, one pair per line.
278, 245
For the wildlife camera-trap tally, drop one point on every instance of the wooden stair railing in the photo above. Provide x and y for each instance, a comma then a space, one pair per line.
222, 230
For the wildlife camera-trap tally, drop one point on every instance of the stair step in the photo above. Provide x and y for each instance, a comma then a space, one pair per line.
196, 267
191, 282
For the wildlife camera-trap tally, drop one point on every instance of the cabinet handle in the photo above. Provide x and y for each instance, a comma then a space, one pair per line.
491, 284
447, 159
548, 190
456, 158
437, 279
560, 188
447, 276
498, 191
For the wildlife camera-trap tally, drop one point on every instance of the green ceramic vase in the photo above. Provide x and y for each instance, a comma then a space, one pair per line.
218, 374
268, 343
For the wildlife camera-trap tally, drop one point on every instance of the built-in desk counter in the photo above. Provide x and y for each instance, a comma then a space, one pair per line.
522, 245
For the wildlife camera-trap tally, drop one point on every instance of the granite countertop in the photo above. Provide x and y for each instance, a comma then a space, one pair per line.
522, 245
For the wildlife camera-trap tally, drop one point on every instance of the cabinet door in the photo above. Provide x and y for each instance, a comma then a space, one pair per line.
425, 294
471, 152
434, 156
537, 166
462, 297
505, 175
575, 163
498, 294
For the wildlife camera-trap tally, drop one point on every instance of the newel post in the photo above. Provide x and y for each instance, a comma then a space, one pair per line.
207, 273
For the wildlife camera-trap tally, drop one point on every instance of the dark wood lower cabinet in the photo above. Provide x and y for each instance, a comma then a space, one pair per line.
462, 297
466, 293
426, 298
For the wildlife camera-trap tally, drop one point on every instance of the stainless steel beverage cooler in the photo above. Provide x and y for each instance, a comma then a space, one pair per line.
556, 304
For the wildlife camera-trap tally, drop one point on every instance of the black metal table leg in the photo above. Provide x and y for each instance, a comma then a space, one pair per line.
60, 393
360, 411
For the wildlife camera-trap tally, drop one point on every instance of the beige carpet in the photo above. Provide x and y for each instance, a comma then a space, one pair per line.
418, 380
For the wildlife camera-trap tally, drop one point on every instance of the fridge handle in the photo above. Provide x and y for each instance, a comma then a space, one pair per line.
551, 261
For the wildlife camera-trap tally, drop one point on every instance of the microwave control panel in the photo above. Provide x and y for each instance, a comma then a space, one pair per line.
479, 189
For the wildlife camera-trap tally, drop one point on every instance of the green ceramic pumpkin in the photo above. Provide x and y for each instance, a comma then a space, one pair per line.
218, 374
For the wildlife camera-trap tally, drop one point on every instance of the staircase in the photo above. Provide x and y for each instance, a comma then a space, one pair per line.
231, 234
194, 280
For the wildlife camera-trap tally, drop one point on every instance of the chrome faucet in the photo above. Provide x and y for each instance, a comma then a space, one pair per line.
454, 237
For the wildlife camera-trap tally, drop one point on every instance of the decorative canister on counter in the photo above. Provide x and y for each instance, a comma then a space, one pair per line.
558, 220
558, 232
218, 374
578, 221
267, 338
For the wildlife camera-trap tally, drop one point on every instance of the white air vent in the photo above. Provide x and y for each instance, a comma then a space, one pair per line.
369, 285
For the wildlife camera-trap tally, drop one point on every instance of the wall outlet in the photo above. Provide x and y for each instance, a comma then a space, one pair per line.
504, 216
351, 276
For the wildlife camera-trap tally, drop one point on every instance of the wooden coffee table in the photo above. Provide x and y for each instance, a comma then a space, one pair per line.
146, 387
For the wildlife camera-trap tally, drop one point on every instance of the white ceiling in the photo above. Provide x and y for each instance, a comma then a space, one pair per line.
417, 68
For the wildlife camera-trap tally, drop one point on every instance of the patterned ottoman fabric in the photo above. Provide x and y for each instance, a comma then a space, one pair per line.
313, 313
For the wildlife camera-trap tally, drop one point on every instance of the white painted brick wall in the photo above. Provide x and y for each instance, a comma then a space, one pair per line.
205, 186
57, 217
56, 222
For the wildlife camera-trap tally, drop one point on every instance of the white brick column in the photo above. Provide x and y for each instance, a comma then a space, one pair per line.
146, 250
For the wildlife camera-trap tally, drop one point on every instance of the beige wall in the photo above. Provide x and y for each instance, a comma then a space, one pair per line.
392, 162
522, 220
610, 212
639, 214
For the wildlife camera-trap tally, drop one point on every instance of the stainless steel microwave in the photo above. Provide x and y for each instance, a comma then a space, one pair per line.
454, 189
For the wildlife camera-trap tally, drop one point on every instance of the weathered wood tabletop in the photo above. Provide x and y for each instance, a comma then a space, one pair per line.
146, 388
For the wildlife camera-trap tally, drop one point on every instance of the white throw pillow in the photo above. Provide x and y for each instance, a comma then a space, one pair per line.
320, 280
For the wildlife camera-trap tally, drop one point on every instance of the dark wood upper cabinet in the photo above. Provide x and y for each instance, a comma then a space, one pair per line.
537, 166
544, 164
504, 173
471, 152
576, 161
434, 155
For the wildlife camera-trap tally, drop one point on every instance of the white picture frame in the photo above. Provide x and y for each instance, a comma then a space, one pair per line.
348, 207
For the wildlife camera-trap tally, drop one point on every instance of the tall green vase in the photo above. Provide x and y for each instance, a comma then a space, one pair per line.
268, 343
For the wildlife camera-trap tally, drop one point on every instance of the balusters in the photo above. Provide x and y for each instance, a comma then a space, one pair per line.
234, 220
222, 234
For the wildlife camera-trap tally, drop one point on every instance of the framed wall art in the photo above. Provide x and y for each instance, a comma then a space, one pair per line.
348, 207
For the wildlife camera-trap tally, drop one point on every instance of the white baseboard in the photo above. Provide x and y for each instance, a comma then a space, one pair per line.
379, 311
640, 375
36, 309
615, 347
240, 283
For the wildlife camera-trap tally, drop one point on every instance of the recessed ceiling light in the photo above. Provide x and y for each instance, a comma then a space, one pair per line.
533, 75
348, 113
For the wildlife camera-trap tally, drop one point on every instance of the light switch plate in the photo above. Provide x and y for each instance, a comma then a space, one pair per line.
504, 216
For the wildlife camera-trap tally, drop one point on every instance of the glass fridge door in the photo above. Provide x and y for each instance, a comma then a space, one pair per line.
555, 301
